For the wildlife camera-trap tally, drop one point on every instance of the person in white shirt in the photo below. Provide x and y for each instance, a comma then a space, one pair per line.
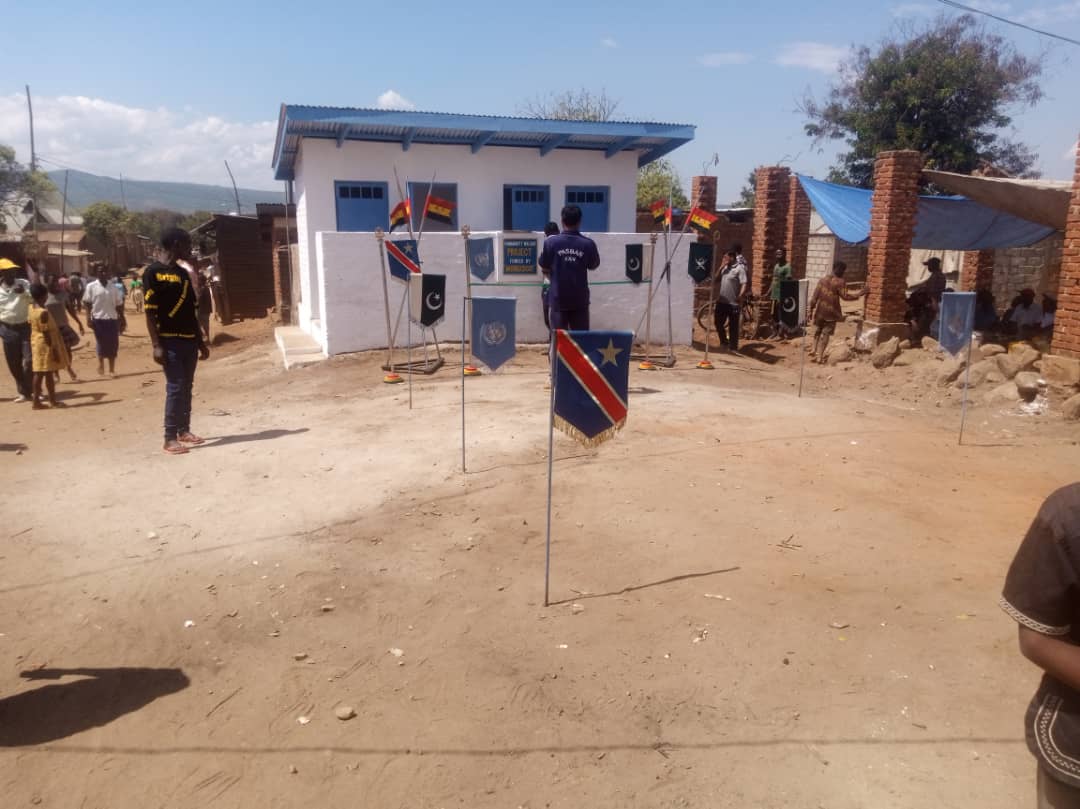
1025, 316
103, 299
15, 327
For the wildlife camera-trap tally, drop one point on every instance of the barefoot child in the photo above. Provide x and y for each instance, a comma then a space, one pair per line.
48, 352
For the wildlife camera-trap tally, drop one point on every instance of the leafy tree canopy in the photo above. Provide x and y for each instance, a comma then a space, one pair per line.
656, 180
944, 88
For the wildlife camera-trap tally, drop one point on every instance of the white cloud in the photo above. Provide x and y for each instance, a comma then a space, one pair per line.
608, 42
107, 138
811, 55
723, 58
393, 100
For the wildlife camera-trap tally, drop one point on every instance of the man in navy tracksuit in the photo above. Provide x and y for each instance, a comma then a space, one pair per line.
567, 257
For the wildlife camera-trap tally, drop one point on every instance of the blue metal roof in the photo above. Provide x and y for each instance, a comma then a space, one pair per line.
649, 140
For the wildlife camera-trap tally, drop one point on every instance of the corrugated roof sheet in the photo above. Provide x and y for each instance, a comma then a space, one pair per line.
648, 139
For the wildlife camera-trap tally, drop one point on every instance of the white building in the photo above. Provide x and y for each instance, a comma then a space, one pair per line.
502, 174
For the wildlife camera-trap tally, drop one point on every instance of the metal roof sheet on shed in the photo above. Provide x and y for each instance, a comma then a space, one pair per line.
649, 140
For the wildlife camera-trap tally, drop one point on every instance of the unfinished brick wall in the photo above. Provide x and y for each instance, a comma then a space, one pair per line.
1037, 267
772, 190
1066, 339
892, 227
797, 233
977, 271
703, 192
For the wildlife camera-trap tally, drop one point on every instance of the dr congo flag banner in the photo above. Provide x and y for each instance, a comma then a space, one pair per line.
403, 258
635, 257
427, 298
700, 263
592, 374
481, 257
493, 333
957, 319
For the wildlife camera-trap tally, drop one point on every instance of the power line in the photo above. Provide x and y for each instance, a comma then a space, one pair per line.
1038, 31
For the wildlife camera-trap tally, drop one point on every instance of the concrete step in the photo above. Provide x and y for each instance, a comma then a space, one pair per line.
297, 347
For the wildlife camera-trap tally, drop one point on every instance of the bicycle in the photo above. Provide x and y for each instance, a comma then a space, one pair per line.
755, 318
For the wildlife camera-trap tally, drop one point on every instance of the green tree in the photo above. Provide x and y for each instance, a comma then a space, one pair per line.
19, 184
944, 88
748, 193
105, 221
656, 180
572, 105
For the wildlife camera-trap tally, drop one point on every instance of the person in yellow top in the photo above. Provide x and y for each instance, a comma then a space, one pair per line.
49, 354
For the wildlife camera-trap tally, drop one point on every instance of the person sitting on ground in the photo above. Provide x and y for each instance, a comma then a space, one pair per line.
1024, 316
935, 284
1042, 594
920, 313
48, 352
1049, 308
826, 311
986, 318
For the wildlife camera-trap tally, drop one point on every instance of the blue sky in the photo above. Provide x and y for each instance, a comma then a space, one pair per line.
170, 94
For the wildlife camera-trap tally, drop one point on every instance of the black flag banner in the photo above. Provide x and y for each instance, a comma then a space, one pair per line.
635, 258
700, 265
793, 302
427, 298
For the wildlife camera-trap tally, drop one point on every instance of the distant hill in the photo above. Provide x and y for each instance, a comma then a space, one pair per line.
145, 195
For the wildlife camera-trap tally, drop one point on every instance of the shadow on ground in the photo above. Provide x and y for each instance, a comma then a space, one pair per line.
64, 709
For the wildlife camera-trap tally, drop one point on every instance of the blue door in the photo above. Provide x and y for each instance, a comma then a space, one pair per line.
362, 205
526, 207
593, 201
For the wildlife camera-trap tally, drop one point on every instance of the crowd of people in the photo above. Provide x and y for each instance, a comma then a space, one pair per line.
37, 311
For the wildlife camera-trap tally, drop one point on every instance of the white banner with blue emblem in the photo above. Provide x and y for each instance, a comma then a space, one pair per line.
493, 334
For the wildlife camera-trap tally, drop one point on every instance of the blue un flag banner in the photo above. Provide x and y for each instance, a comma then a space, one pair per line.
493, 332
481, 257
956, 320
592, 378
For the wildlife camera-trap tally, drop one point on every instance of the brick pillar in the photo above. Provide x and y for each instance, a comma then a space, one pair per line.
703, 193
770, 223
1066, 339
797, 239
892, 227
978, 270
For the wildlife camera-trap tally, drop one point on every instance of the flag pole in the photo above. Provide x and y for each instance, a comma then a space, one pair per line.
802, 324
470, 369
401, 196
408, 332
463, 307
705, 365
391, 377
551, 459
647, 364
963, 405
427, 199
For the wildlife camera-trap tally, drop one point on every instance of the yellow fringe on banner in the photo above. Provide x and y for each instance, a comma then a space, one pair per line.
566, 427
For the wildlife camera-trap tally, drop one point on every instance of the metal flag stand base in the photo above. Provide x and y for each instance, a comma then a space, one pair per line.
705, 365
471, 370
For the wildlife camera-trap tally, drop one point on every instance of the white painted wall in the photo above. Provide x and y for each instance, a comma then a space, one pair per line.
480, 179
348, 274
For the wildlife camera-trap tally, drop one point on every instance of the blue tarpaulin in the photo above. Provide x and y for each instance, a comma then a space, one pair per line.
943, 223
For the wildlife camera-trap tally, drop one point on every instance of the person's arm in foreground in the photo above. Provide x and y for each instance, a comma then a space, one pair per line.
1058, 658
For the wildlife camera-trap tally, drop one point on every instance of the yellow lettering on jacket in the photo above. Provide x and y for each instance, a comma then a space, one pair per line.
168, 276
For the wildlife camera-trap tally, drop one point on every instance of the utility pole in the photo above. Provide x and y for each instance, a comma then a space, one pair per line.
33, 152
63, 224
236, 193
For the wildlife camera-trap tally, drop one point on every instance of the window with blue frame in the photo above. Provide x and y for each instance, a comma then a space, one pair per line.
593, 201
361, 205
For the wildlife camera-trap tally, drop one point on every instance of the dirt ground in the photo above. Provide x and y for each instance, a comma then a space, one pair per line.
760, 600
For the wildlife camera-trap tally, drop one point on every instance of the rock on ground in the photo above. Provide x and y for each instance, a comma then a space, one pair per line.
1004, 393
991, 350
837, 353
951, 369
1016, 361
930, 344
884, 354
1061, 372
904, 360
1071, 408
979, 373
1028, 384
